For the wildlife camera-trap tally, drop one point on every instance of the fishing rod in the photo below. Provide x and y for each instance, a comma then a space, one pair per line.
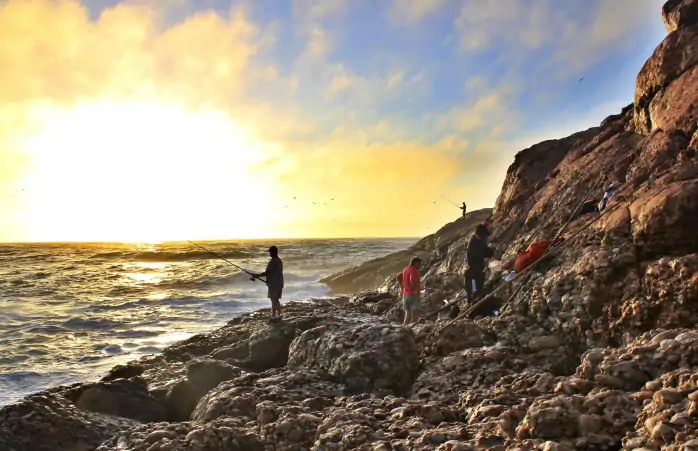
450, 202
253, 277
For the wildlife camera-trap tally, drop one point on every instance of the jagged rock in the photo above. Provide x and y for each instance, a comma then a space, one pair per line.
365, 357
679, 13
675, 55
47, 422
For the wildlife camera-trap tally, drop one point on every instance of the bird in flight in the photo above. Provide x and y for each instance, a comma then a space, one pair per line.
580, 80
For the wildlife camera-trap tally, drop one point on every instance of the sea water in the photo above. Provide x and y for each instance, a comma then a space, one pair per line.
70, 312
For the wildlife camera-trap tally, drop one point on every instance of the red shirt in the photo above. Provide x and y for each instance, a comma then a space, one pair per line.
409, 280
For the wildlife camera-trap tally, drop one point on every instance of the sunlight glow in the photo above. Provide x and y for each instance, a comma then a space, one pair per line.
143, 171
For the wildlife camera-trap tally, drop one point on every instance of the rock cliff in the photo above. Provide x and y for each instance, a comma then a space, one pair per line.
598, 350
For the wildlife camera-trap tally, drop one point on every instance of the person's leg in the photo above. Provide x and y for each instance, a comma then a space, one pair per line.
468, 285
275, 309
408, 316
278, 303
415, 314
479, 280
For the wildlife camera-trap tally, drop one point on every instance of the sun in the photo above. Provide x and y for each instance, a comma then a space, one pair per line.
144, 171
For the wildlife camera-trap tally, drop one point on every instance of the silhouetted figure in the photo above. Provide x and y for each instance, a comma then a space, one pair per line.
477, 252
275, 282
464, 208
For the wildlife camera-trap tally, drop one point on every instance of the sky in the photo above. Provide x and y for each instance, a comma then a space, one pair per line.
153, 120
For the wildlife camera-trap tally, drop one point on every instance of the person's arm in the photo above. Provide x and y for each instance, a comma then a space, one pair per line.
399, 279
271, 268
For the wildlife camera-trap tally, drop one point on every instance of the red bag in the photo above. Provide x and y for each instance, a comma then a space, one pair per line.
533, 253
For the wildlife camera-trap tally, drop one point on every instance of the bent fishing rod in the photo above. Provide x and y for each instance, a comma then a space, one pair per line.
253, 277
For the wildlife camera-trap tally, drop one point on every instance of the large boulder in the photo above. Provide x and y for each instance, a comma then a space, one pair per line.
203, 375
49, 422
365, 357
679, 13
675, 55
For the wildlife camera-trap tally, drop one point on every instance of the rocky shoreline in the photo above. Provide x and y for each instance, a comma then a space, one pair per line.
597, 351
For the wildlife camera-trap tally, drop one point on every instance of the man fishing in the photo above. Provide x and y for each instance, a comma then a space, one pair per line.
476, 254
464, 208
275, 282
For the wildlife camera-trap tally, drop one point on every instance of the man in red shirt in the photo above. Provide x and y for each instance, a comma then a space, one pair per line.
410, 283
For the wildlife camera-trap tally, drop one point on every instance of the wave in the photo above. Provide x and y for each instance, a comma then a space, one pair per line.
90, 324
169, 256
183, 301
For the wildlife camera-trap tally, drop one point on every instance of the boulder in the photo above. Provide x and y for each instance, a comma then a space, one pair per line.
679, 13
675, 55
128, 398
205, 374
47, 422
365, 357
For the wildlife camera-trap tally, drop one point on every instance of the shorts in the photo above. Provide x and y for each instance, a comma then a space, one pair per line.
274, 293
411, 301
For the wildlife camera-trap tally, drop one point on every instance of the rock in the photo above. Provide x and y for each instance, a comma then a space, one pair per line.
225, 434
348, 354
679, 13
541, 343
128, 398
181, 400
668, 396
49, 422
205, 374
674, 56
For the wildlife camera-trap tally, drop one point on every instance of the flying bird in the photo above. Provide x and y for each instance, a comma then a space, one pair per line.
580, 80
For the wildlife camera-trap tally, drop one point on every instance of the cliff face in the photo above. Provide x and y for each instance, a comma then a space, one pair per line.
597, 351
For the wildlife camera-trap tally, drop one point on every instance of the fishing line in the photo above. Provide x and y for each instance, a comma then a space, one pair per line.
253, 277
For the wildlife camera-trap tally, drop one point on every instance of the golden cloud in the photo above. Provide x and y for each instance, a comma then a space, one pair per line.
115, 124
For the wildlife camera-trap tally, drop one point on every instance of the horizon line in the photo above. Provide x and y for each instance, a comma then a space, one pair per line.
209, 240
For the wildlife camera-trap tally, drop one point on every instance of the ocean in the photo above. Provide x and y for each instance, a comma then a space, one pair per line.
70, 312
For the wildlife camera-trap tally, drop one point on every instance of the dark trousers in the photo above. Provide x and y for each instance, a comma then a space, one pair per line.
477, 278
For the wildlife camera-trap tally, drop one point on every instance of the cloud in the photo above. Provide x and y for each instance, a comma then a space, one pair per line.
578, 33
414, 11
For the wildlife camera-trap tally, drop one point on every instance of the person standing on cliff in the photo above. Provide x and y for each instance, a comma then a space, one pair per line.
275, 282
464, 208
410, 283
476, 254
